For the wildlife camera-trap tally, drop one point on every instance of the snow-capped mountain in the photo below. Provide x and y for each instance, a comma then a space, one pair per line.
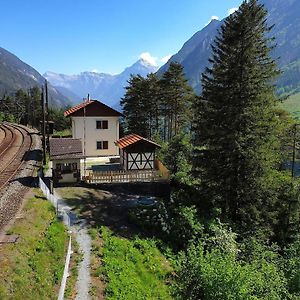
105, 87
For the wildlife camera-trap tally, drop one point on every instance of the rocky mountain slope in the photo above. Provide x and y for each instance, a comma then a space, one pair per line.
105, 87
16, 74
284, 14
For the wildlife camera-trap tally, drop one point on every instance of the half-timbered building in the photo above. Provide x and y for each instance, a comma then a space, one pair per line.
137, 153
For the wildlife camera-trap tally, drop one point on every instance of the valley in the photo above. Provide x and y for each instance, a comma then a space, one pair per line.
166, 176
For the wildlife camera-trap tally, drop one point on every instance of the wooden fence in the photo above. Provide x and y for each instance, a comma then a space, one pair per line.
165, 173
125, 176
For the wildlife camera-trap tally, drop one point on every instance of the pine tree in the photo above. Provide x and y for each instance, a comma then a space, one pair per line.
235, 123
176, 100
152, 97
133, 105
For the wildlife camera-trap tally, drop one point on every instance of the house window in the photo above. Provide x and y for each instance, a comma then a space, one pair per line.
102, 145
66, 168
103, 124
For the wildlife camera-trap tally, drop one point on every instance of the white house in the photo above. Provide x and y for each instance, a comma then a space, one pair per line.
97, 125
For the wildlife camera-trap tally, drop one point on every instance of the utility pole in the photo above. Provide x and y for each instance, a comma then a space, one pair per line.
47, 113
84, 138
43, 125
33, 116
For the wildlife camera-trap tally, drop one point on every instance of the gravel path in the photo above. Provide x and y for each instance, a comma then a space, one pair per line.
84, 278
79, 228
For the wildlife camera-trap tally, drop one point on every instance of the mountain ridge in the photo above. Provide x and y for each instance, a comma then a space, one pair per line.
283, 13
16, 74
105, 87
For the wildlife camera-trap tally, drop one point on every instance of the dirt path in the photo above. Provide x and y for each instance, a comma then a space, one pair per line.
79, 228
84, 278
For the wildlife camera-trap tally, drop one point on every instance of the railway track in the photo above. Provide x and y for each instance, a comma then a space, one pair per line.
16, 168
11, 161
7, 140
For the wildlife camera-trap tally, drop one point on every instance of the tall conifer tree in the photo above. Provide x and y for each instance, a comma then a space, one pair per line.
133, 105
235, 122
176, 100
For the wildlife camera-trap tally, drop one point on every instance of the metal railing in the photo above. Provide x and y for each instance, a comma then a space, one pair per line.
66, 219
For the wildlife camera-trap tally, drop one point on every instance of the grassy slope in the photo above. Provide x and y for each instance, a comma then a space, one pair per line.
292, 105
33, 267
133, 269
121, 268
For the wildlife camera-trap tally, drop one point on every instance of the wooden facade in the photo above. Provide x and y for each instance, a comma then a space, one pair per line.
137, 153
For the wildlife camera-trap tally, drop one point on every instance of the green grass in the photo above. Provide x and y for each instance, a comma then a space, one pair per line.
76, 258
33, 267
292, 105
121, 268
133, 269
63, 133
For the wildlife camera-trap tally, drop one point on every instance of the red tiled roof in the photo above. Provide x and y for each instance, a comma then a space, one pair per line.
132, 139
77, 107
97, 109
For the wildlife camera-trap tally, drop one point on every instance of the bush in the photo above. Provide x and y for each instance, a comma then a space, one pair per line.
291, 267
133, 269
215, 275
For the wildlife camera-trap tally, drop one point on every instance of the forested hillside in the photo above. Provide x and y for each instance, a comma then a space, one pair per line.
16, 74
232, 222
285, 17
24, 107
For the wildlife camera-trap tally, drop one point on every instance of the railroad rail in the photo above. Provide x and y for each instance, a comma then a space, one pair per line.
11, 161
7, 140
17, 164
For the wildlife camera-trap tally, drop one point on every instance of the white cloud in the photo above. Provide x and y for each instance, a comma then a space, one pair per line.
95, 71
232, 10
146, 56
165, 58
212, 18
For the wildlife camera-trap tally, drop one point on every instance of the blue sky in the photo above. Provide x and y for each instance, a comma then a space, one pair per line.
71, 36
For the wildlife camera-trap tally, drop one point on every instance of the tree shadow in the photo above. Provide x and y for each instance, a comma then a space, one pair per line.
35, 155
28, 181
102, 207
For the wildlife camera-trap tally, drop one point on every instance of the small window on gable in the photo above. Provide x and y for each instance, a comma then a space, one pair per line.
102, 145
103, 124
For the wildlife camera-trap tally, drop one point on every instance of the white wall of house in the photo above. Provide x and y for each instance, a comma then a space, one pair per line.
138, 161
92, 135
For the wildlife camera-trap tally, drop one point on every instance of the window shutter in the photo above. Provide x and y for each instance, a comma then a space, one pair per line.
105, 124
105, 144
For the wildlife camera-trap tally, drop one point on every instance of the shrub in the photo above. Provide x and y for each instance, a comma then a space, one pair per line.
133, 269
215, 275
291, 267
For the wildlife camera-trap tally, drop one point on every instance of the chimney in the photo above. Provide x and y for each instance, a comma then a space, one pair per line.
87, 99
